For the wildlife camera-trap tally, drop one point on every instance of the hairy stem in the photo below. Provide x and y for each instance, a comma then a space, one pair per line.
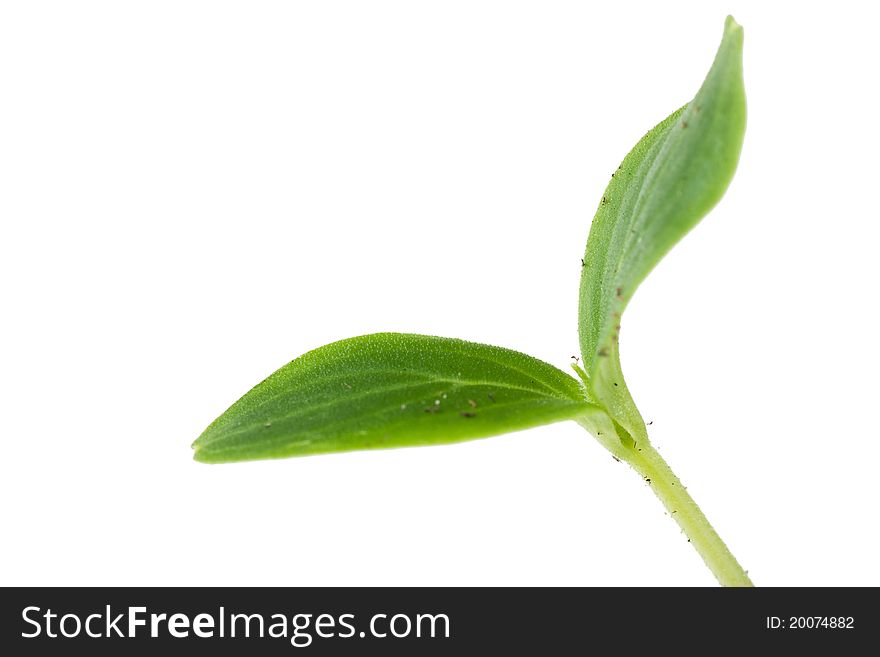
681, 506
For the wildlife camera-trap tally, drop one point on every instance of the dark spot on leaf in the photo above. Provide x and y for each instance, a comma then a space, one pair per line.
602, 353
467, 414
604, 200
619, 292
431, 409
583, 264
648, 479
615, 385
684, 125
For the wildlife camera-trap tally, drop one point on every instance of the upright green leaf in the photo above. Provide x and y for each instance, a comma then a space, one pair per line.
665, 185
390, 390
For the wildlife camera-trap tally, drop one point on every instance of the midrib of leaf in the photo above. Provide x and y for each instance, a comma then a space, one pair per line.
245, 424
304, 369
355, 375
329, 427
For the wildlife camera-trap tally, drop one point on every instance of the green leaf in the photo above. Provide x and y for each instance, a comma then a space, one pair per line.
665, 185
390, 390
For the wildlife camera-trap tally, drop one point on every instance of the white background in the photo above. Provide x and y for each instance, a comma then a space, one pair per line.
194, 193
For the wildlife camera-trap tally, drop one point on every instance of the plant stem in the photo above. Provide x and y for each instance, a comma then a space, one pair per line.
650, 465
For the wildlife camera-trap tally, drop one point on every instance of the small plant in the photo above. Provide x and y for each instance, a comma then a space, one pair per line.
396, 390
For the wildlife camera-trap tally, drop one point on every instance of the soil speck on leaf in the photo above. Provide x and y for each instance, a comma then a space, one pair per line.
467, 414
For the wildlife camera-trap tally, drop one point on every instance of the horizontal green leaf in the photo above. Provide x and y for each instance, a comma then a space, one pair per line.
665, 185
390, 390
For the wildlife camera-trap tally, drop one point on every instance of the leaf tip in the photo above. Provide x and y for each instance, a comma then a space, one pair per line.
733, 30
199, 454
731, 25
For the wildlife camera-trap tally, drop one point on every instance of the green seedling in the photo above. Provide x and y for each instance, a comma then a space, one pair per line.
397, 390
